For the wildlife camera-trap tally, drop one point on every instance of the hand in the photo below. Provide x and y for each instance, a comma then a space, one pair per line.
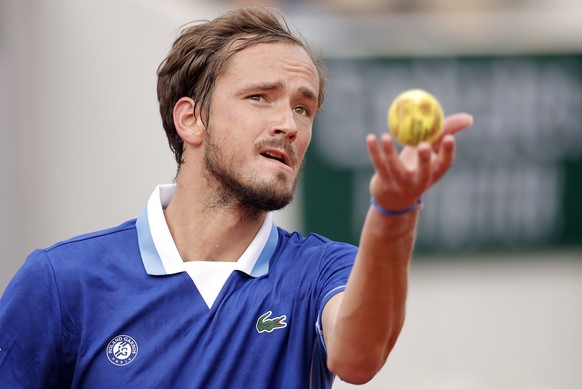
400, 179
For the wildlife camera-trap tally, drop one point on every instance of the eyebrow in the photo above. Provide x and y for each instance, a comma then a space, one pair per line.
267, 86
309, 94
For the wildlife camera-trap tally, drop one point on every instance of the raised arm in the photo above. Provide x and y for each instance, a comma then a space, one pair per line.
361, 324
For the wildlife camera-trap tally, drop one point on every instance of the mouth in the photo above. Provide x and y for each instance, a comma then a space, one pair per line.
277, 156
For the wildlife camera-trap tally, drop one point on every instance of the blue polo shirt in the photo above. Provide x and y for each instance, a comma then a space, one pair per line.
120, 308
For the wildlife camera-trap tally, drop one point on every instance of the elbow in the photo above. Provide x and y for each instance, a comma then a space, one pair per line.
356, 371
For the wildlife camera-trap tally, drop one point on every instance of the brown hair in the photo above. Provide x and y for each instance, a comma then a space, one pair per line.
199, 53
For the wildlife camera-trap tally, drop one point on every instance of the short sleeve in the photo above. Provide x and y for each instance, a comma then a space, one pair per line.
30, 327
337, 262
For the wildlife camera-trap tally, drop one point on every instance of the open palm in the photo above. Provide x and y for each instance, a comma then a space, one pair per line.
401, 178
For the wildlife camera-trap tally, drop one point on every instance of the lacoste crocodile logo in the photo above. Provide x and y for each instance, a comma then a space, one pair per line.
264, 324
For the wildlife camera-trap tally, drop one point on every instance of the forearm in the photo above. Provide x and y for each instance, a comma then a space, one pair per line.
370, 315
361, 325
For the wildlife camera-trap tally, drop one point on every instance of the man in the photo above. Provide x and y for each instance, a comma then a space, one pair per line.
203, 290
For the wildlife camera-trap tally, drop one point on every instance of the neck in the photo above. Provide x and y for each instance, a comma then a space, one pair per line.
206, 227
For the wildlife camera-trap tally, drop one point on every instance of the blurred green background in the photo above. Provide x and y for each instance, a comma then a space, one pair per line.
517, 180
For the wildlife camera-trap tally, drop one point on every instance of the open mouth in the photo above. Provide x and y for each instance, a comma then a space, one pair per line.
276, 156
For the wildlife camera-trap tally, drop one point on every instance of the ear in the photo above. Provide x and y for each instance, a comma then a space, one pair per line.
188, 122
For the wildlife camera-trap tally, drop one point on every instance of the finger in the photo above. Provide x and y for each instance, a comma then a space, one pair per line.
383, 154
376, 154
457, 122
445, 157
425, 169
453, 124
393, 164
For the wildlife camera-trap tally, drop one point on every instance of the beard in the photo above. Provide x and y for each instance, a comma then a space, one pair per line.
250, 195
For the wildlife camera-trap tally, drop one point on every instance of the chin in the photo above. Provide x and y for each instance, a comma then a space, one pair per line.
272, 198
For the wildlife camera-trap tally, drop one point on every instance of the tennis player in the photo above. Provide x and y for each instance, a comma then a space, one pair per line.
203, 290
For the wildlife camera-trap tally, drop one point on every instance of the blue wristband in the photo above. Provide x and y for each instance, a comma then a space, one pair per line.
386, 212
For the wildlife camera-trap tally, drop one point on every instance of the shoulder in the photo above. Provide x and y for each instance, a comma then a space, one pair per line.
314, 245
94, 237
79, 254
310, 240
104, 240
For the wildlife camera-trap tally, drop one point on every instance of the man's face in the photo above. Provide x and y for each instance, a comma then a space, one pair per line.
261, 116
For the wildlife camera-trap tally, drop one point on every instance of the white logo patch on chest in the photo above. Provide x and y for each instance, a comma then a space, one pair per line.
122, 350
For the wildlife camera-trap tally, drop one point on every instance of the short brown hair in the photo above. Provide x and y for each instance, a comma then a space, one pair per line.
198, 55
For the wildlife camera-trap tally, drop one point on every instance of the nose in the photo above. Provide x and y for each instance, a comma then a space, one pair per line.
285, 125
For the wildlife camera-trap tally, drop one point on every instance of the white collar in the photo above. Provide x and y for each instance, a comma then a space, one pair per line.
160, 255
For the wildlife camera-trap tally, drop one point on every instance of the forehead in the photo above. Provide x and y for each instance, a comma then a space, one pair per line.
272, 60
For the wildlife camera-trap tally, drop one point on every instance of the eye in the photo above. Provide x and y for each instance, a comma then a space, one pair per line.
257, 98
301, 110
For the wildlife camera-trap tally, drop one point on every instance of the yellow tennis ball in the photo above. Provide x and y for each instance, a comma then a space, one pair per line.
415, 116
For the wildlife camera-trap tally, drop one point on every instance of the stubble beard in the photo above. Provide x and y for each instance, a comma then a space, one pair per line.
249, 197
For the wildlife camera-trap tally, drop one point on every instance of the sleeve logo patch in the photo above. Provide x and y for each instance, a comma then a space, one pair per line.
122, 350
264, 324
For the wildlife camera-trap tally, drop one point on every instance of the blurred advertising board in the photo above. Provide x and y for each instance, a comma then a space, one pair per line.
517, 180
